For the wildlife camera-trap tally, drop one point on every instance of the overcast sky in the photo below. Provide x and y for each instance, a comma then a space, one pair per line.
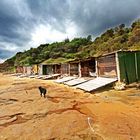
29, 23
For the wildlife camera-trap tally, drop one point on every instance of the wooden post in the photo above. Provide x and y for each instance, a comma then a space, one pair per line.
41, 70
96, 67
61, 69
69, 68
136, 66
79, 69
118, 66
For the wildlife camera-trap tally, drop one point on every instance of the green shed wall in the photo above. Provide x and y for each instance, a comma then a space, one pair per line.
129, 65
138, 64
44, 67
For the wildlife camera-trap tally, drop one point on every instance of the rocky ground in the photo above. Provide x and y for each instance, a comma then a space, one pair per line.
66, 113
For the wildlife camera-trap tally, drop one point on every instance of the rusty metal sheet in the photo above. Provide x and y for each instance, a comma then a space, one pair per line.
64, 79
96, 83
75, 81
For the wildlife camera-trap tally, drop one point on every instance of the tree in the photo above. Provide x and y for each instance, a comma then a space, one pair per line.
66, 40
89, 38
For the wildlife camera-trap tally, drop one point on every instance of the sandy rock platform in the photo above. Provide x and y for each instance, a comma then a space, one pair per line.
66, 113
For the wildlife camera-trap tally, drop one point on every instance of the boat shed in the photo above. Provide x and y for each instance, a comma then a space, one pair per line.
19, 69
35, 69
47, 68
28, 70
125, 65
88, 67
74, 68
83, 67
54, 66
50, 69
65, 69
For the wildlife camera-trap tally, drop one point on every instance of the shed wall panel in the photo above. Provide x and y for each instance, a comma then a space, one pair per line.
138, 64
87, 67
64, 68
44, 69
127, 66
107, 66
74, 69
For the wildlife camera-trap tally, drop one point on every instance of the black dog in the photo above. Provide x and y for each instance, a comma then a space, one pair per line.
42, 91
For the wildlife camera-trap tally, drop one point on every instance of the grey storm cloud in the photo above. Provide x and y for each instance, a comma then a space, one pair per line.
95, 16
5, 53
19, 18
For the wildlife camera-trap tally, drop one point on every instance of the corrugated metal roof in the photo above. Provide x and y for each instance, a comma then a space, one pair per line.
96, 83
75, 81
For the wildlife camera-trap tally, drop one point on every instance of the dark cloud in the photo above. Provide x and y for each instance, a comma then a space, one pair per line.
54, 12
10, 23
5, 54
95, 16
19, 19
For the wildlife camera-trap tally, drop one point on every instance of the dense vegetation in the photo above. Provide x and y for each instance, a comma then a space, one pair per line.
113, 39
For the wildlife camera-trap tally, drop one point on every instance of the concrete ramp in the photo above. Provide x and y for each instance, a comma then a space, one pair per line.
75, 81
47, 77
96, 83
53, 76
40, 76
64, 79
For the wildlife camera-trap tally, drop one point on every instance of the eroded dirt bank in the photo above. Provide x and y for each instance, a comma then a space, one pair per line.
63, 115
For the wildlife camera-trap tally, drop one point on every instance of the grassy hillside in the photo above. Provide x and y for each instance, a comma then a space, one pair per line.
113, 39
